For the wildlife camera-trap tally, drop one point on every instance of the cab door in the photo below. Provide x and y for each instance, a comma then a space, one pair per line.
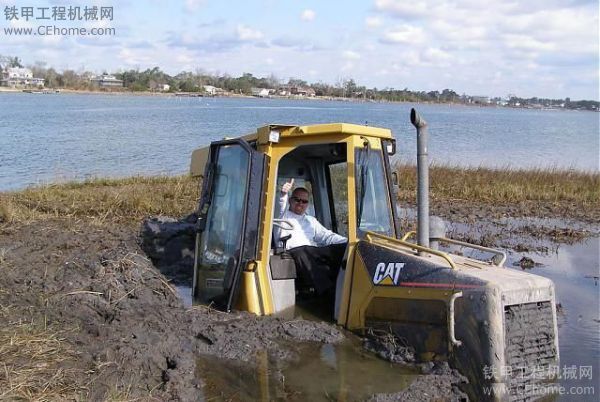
228, 218
375, 213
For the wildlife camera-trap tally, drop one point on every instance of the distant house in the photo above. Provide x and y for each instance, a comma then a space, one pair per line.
37, 82
260, 92
19, 77
284, 91
213, 91
106, 81
302, 91
157, 86
482, 100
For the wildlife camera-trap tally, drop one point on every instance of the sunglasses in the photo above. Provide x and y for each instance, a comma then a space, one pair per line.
300, 200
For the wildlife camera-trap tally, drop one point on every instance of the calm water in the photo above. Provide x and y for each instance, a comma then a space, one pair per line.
63, 136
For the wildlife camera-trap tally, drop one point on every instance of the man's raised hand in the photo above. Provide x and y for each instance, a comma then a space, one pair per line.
287, 187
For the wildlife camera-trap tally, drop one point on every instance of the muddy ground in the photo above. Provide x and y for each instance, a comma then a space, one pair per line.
90, 294
529, 227
87, 315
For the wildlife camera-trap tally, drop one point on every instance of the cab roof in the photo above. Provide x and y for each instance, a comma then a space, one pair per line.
263, 134
273, 133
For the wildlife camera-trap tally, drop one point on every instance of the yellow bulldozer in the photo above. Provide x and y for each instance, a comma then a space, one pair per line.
492, 323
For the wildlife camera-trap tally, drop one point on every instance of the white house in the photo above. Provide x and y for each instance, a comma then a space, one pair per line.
212, 91
106, 81
302, 91
18, 77
260, 92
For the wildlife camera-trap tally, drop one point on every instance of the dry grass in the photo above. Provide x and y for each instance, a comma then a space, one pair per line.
102, 200
34, 363
504, 185
132, 199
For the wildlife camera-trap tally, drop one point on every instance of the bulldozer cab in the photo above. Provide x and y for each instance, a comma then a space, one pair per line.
239, 261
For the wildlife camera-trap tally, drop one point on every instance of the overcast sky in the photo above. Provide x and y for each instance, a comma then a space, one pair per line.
545, 48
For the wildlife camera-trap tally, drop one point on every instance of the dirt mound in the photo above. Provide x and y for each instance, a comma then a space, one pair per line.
170, 245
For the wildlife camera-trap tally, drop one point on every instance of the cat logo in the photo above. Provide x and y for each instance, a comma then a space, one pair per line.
387, 274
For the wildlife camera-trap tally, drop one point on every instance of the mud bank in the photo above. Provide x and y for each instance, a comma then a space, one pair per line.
520, 227
86, 315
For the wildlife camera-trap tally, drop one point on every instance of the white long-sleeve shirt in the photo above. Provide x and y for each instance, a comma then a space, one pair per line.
307, 231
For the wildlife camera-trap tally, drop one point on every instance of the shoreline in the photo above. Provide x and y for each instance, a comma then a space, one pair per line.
4, 90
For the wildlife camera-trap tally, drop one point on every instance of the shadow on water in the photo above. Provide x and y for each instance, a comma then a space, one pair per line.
318, 373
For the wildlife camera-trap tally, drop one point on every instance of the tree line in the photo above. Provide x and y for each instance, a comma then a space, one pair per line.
154, 79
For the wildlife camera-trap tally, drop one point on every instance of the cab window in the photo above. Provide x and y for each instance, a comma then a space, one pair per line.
338, 177
220, 246
372, 196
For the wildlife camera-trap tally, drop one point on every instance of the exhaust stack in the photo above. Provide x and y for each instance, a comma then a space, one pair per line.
422, 179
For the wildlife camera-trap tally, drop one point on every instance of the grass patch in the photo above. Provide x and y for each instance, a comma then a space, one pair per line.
34, 363
129, 199
503, 185
132, 199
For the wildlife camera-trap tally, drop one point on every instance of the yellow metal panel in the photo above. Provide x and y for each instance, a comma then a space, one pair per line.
356, 281
264, 233
359, 289
374, 143
352, 234
320, 130
392, 244
345, 129
249, 299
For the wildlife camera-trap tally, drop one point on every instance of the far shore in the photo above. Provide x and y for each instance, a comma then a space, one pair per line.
234, 95
197, 94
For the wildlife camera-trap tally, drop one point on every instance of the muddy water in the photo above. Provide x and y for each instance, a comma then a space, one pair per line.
318, 373
185, 292
344, 372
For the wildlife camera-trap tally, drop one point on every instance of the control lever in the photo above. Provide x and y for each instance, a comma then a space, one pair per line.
283, 250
